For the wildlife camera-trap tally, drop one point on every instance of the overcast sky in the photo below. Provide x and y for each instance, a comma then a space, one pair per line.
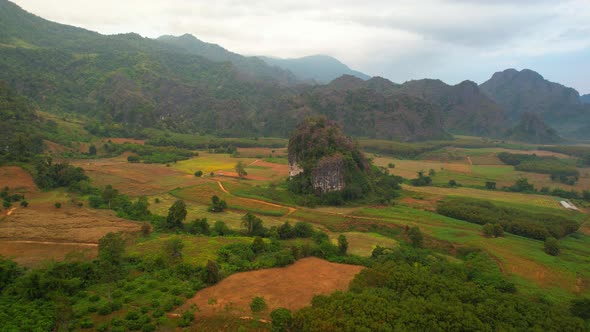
401, 40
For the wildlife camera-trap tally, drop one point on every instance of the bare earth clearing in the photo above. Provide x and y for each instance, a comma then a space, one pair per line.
42, 232
290, 287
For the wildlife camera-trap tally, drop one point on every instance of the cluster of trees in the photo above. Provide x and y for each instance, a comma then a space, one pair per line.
49, 175
405, 290
20, 132
149, 154
528, 224
110, 198
421, 180
558, 169
8, 199
523, 185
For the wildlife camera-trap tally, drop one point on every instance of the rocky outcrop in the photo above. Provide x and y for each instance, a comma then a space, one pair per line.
328, 175
322, 159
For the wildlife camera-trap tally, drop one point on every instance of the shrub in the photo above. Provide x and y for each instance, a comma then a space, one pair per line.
488, 230
146, 229
416, 237
551, 246
391, 165
199, 174
342, 244
57, 205
186, 319
581, 308
217, 204
258, 304
281, 320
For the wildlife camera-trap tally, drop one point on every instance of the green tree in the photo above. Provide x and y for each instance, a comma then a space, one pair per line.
111, 249
258, 245
253, 224
109, 194
176, 214
199, 226
220, 228
92, 150
281, 320
199, 174
286, 231
581, 308
490, 185
488, 230
258, 304
303, 229
217, 204
212, 272
342, 244
241, 169
173, 249
498, 230
551, 246
416, 237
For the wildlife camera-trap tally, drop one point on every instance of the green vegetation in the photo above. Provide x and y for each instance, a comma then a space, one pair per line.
334, 170
558, 168
258, 304
410, 290
528, 224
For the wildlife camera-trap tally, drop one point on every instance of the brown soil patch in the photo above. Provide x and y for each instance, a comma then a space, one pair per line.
135, 179
43, 222
290, 287
53, 147
262, 152
121, 140
17, 179
30, 254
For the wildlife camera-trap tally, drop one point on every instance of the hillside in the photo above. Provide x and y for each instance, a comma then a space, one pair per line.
318, 68
465, 109
367, 112
533, 129
252, 66
527, 91
585, 99
19, 127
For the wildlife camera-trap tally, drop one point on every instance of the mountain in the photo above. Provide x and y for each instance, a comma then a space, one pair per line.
465, 108
364, 111
125, 83
585, 99
533, 129
527, 91
249, 65
318, 68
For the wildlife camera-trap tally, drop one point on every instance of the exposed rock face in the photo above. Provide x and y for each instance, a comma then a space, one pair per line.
328, 175
294, 168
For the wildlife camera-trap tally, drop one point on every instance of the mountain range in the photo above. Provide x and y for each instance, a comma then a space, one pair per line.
186, 85
315, 68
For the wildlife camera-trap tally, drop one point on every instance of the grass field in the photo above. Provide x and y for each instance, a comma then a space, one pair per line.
197, 250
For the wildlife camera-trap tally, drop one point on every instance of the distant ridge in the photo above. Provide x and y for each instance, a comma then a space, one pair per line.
252, 66
585, 99
319, 68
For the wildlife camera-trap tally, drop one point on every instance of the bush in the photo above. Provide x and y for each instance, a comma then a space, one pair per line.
488, 230
57, 205
217, 204
416, 237
551, 246
199, 174
524, 223
391, 165
281, 320
258, 304
186, 319
581, 308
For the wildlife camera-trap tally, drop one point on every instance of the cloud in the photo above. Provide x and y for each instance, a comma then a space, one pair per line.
399, 39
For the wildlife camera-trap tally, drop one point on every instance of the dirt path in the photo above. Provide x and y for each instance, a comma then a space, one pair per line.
252, 163
469, 160
51, 242
291, 209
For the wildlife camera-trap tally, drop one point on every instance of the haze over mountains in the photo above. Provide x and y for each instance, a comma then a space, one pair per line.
187, 85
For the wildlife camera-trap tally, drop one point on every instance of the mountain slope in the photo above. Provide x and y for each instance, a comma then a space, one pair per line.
249, 65
465, 108
526, 91
363, 111
585, 99
319, 68
533, 129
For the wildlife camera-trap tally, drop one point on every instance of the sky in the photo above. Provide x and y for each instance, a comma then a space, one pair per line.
452, 40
